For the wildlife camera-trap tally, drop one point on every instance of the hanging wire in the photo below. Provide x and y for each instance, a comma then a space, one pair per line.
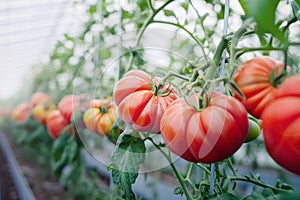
221, 88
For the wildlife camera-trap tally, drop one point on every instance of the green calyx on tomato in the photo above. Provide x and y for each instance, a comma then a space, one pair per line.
254, 129
276, 80
159, 88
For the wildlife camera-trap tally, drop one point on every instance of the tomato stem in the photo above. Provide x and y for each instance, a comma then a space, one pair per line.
171, 74
175, 170
256, 182
148, 21
216, 59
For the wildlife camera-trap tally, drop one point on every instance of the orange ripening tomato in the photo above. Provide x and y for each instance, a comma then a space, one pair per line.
20, 113
140, 102
208, 135
281, 125
68, 105
100, 117
254, 81
41, 105
55, 123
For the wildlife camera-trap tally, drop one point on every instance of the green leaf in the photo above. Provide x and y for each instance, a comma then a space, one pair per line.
59, 145
185, 6
178, 191
244, 6
263, 13
35, 135
126, 159
115, 130
93, 9
169, 13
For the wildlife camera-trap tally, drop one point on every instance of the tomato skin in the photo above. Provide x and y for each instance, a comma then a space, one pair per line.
55, 124
253, 79
100, 117
281, 125
41, 105
20, 113
68, 105
38, 98
206, 136
137, 103
131, 82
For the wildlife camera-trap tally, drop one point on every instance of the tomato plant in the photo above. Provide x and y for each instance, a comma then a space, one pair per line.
208, 135
56, 124
100, 117
203, 129
281, 125
256, 79
140, 102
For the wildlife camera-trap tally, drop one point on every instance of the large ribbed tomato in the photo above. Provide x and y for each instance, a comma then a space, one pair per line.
68, 105
41, 105
139, 104
254, 81
281, 125
100, 117
208, 135
20, 113
55, 123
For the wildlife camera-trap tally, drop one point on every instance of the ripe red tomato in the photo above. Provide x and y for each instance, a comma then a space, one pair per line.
41, 105
254, 80
68, 105
281, 125
208, 135
55, 124
100, 117
20, 113
138, 104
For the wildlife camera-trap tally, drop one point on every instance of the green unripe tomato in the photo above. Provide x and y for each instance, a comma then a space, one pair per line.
254, 129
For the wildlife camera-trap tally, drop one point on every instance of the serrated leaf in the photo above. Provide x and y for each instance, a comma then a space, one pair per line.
178, 191
169, 13
126, 159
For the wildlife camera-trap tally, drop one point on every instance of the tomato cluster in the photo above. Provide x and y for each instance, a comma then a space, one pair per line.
203, 127
96, 115
203, 134
274, 98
